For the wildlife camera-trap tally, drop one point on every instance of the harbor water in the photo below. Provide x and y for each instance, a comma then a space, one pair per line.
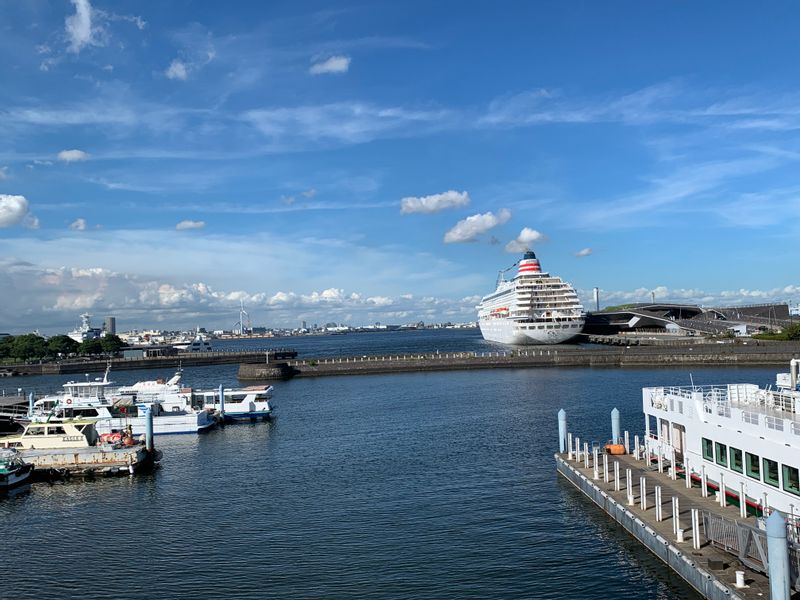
430, 485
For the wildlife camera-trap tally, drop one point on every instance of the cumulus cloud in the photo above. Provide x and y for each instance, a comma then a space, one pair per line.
78, 225
73, 155
334, 64
434, 202
187, 224
470, 228
79, 26
524, 240
584, 252
15, 210
177, 69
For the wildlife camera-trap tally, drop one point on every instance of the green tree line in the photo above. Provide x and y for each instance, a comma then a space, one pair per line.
34, 347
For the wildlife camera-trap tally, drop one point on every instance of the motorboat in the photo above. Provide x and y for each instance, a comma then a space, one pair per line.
14, 471
239, 403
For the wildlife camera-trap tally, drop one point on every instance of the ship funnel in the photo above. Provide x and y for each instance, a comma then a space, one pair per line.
529, 264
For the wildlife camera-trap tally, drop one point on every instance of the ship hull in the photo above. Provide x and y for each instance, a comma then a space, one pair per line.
508, 331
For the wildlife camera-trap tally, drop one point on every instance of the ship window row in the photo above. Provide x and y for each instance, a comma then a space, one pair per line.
756, 467
565, 326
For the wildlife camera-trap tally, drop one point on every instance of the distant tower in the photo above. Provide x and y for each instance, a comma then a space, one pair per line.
596, 293
653, 297
111, 326
304, 325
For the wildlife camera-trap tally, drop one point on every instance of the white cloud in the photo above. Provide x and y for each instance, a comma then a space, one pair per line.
524, 240
310, 193
72, 155
334, 64
78, 225
14, 210
79, 26
177, 70
468, 229
3, 173
584, 252
434, 202
183, 225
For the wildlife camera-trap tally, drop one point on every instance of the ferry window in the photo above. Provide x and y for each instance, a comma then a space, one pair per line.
708, 449
56, 431
722, 454
771, 472
736, 460
753, 469
791, 480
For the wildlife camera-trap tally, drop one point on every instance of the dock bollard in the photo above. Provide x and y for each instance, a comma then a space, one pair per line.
643, 493
629, 481
778, 556
627, 439
740, 579
614, 426
696, 529
679, 536
30, 404
148, 429
703, 482
595, 466
742, 501
585, 455
569, 446
562, 431
605, 467
617, 484
687, 472
577, 449
721, 492
660, 460
658, 504
636, 448
676, 515
222, 403
673, 468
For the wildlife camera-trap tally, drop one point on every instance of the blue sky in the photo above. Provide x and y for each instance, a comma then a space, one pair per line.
161, 161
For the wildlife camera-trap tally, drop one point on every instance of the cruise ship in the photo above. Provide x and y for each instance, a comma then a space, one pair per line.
532, 308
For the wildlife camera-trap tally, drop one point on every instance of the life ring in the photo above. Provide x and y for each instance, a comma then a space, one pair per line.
69, 400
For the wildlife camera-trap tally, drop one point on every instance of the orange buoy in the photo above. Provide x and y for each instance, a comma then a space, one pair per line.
615, 449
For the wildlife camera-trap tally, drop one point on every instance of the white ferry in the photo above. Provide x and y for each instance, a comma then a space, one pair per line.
743, 440
240, 404
532, 308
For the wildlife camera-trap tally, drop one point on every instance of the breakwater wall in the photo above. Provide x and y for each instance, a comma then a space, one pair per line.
561, 356
188, 359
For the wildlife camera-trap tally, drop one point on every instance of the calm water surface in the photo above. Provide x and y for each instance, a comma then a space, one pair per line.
434, 485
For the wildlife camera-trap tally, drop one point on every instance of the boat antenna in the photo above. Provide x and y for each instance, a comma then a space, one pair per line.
691, 379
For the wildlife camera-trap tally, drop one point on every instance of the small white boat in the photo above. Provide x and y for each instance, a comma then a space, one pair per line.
14, 471
240, 403
198, 344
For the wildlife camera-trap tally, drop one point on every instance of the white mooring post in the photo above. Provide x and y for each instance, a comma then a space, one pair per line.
627, 439
778, 556
676, 515
658, 503
605, 467
222, 403
740, 579
595, 465
673, 468
643, 493
687, 472
577, 449
615, 438
629, 478
569, 446
721, 491
660, 461
703, 482
742, 501
562, 431
696, 529
636, 448
586, 455
765, 506
617, 484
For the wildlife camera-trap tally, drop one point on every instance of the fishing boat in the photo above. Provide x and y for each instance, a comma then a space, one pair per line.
739, 439
533, 307
14, 471
239, 403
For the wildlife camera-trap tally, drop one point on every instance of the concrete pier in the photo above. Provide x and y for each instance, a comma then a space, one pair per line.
708, 569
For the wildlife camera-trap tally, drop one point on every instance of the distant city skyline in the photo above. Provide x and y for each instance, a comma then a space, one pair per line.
382, 162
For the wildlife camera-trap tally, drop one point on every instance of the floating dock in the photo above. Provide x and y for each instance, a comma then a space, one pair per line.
710, 542
552, 356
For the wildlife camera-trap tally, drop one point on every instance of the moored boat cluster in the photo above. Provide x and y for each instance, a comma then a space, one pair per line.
93, 428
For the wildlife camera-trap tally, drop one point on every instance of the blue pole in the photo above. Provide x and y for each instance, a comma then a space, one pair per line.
615, 426
562, 431
148, 429
30, 404
222, 402
778, 556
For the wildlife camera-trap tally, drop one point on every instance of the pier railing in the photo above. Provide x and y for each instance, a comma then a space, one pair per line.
749, 544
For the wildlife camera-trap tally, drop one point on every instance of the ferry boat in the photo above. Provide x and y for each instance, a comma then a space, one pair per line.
13, 470
240, 404
742, 439
198, 344
532, 308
